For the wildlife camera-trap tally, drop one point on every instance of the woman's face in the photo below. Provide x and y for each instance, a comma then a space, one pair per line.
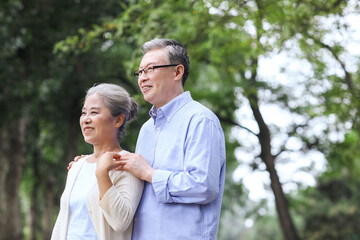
97, 125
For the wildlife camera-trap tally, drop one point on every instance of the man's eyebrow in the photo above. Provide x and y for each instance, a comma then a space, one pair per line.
147, 65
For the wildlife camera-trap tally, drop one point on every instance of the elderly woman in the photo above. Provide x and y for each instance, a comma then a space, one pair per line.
99, 202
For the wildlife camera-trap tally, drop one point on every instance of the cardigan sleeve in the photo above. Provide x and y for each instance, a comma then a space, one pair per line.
120, 202
56, 231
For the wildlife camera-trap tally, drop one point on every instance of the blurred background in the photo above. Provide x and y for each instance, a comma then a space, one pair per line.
281, 75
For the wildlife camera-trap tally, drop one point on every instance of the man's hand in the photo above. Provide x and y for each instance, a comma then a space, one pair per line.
75, 160
137, 165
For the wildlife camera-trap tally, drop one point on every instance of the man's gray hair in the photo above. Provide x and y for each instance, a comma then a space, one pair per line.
176, 53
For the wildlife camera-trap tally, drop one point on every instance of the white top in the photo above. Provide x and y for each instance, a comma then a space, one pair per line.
80, 224
112, 216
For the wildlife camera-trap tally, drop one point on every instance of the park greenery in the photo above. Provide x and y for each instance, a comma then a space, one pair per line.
52, 51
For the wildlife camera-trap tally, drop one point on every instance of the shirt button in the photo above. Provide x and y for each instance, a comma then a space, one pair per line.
158, 129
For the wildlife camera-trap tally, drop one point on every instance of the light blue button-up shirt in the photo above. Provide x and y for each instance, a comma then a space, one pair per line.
184, 142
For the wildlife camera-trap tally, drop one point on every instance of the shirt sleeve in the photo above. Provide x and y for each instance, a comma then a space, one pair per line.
120, 202
204, 158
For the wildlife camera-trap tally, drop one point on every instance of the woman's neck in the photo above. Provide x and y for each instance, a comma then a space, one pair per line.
100, 150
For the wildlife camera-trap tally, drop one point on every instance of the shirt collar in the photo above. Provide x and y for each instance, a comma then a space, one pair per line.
171, 107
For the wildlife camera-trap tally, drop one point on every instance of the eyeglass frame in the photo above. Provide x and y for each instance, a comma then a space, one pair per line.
137, 74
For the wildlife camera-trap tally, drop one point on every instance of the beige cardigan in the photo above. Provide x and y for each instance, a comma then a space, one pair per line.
113, 215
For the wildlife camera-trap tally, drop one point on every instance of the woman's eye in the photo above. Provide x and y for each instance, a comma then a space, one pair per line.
93, 112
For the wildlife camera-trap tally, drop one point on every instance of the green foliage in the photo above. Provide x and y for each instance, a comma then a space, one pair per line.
266, 227
331, 210
344, 158
52, 52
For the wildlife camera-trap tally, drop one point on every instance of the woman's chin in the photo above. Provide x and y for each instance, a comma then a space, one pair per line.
88, 140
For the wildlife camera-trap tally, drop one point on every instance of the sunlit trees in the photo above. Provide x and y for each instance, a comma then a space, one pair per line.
52, 52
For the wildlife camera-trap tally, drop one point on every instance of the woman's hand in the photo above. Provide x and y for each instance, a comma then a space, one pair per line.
75, 160
107, 162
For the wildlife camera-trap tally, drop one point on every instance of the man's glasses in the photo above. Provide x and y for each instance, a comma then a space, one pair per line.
150, 70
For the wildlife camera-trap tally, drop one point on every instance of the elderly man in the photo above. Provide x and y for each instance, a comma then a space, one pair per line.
180, 152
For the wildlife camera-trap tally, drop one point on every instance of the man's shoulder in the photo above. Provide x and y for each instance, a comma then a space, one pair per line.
147, 125
195, 108
150, 121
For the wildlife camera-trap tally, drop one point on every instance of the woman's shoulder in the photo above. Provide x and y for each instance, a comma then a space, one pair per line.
121, 175
123, 152
77, 164
82, 160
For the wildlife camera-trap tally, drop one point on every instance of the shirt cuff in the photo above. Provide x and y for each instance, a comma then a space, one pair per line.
160, 185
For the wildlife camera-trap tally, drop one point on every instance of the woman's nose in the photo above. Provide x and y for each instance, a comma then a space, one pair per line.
87, 119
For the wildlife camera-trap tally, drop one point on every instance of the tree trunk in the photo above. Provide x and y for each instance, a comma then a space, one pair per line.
286, 223
48, 214
282, 207
34, 211
12, 159
72, 136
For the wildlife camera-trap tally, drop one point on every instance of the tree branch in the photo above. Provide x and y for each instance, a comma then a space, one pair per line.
348, 78
231, 122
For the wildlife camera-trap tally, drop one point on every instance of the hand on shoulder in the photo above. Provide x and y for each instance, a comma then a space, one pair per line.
75, 160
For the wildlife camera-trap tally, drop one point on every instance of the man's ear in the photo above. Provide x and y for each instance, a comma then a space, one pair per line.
119, 120
179, 72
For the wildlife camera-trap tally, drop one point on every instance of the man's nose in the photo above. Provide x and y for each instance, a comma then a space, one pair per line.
143, 77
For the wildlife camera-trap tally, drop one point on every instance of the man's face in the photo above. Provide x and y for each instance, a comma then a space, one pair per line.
158, 87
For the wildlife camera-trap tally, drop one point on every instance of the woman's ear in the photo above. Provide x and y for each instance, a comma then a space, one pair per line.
119, 120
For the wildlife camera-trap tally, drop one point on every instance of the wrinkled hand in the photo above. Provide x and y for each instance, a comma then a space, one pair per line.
75, 160
105, 163
108, 161
137, 165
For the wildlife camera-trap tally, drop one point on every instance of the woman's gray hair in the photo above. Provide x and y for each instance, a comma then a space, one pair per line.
176, 53
118, 100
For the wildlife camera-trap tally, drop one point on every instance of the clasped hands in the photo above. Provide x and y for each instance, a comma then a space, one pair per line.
134, 163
